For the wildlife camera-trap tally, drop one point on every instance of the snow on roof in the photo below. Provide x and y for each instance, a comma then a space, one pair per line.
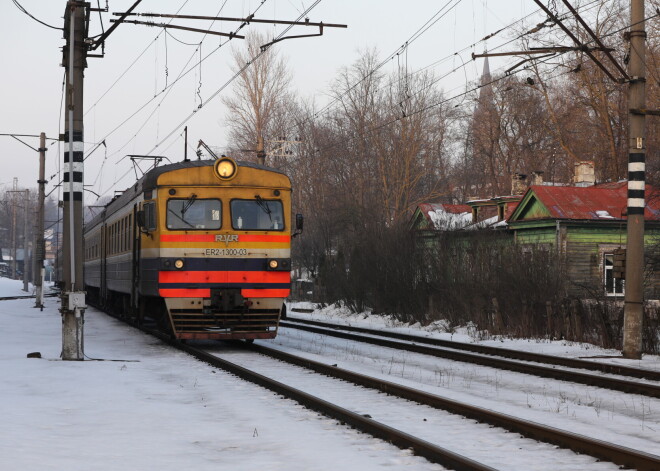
490, 222
447, 217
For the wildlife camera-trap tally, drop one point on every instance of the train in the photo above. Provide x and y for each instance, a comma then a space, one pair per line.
202, 248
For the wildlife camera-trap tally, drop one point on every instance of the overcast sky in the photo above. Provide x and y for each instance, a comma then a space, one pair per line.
31, 85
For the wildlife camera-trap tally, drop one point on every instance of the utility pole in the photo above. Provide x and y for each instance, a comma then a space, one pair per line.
185, 145
261, 155
39, 246
14, 237
73, 297
13, 229
634, 297
26, 265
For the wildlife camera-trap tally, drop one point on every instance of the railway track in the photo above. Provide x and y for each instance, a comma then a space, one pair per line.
619, 455
495, 351
28, 296
601, 450
629, 386
367, 425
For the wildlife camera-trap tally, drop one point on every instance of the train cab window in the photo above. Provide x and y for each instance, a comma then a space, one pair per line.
194, 213
150, 216
257, 215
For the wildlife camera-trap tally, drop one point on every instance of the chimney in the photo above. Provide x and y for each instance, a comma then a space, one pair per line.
518, 186
584, 173
537, 177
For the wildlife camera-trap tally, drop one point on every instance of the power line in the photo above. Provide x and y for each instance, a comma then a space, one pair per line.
131, 65
184, 74
20, 7
144, 123
463, 66
181, 75
237, 74
400, 49
478, 87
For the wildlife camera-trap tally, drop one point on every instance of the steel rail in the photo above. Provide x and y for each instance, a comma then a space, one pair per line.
527, 368
497, 351
600, 449
27, 296
402, 440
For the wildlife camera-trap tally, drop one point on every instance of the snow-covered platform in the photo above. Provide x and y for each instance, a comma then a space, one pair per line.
137, 404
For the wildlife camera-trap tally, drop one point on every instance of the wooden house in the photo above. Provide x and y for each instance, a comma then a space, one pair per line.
431, 218
584, 225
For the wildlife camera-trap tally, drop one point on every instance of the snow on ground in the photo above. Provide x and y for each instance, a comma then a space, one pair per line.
440, 330
10, 287
148, 407
144, 406
627, 419
488, 445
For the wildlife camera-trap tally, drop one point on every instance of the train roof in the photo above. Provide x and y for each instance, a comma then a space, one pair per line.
150, 179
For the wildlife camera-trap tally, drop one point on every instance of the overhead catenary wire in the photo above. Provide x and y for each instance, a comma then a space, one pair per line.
20, 7
181, 75
151, 43
231, 79
586, 7
167, 89
218, 91
474, 89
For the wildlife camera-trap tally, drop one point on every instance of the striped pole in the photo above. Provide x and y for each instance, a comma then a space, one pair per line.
634, 296
72, 251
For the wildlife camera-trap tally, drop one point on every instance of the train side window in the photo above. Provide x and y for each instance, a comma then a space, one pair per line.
257, 215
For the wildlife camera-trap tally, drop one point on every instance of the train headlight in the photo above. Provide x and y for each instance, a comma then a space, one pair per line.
225, 168
178, 264
273, 264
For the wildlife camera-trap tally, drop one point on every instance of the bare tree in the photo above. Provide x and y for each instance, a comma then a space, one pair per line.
260, 96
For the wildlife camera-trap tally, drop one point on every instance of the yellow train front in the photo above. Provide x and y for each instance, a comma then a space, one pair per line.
209, 246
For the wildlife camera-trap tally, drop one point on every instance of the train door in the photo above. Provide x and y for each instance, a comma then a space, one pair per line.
135, 260
103, 291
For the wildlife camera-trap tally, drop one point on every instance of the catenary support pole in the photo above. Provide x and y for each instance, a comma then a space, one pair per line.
73, 300
261, 155
26, 251
40, 246
634, 296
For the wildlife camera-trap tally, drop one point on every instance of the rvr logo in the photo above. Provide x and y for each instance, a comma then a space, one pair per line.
226, 238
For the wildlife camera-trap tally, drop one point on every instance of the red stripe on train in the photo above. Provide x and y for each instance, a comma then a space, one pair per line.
206, 293
224, 277
185, 293
265, 293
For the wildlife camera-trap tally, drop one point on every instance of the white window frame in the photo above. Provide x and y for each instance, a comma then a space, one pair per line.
618, 285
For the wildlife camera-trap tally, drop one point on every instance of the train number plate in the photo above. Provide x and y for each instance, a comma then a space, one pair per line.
225, 252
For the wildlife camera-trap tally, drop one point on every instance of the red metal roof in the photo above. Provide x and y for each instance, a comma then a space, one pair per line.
594, 202
510, 208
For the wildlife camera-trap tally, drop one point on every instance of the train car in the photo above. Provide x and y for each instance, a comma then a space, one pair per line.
201, 247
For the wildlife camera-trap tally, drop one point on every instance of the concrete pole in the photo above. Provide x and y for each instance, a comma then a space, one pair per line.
634, 297
13, 229
73, 300
40, 247
261, 155
26, 264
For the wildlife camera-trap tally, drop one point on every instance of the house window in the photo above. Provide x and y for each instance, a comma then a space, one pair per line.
613, 286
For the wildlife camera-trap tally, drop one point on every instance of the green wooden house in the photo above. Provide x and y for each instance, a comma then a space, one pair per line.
584, 225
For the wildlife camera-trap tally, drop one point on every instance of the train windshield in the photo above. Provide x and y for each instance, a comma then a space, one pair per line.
193, 213
257, 215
